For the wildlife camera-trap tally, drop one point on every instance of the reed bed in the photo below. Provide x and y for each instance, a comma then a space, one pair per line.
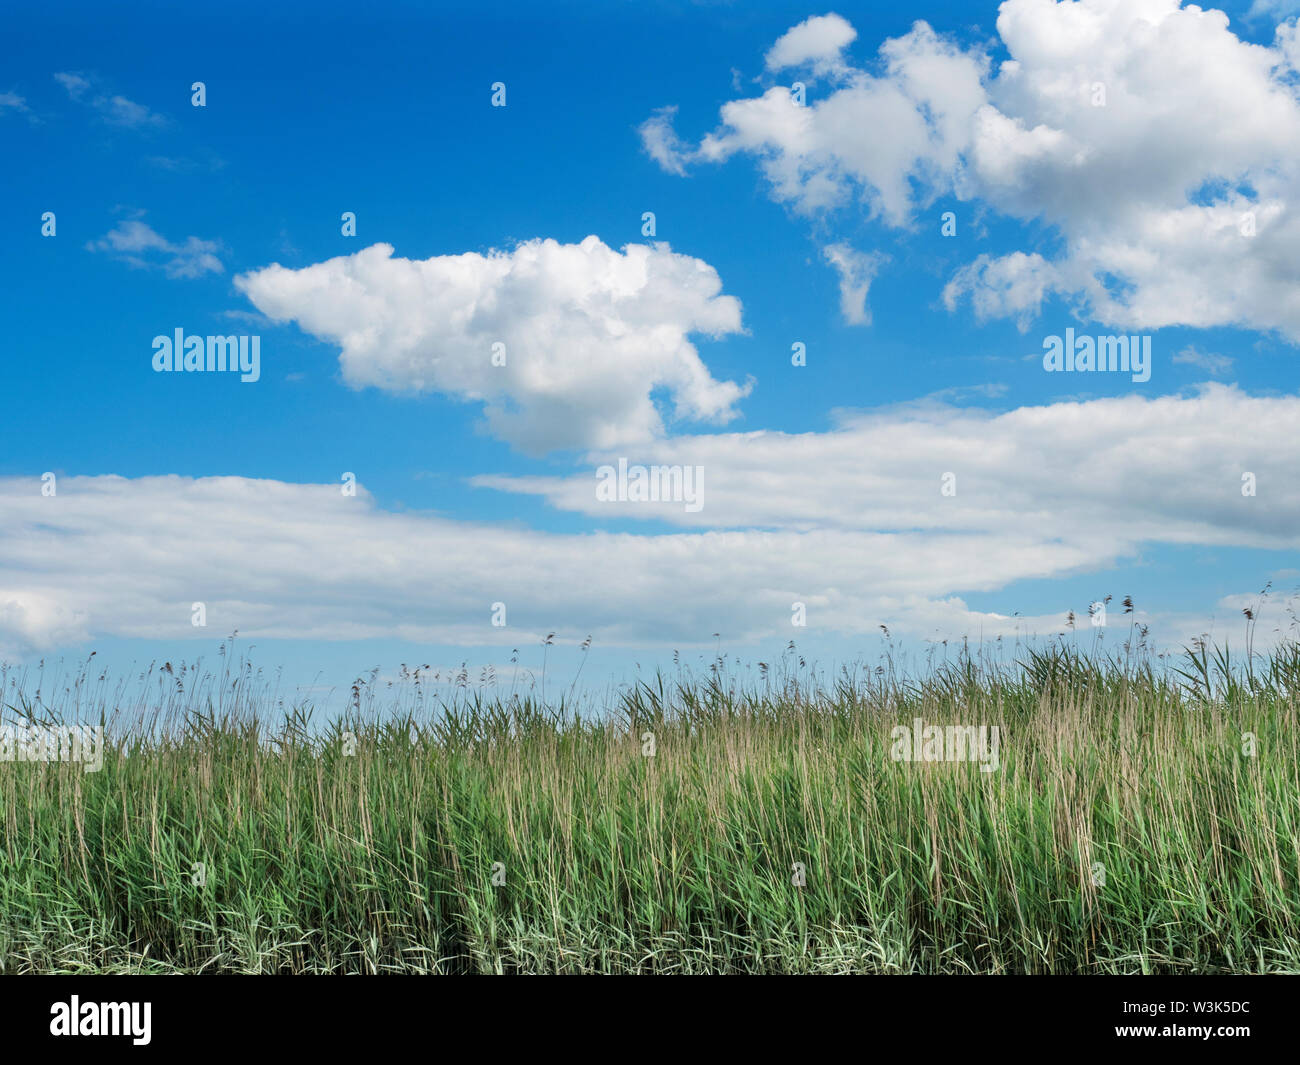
1142, 819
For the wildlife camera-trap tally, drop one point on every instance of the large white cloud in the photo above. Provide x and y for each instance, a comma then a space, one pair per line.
1163, 148
589, 333
1118, 472
128, 558
851, 522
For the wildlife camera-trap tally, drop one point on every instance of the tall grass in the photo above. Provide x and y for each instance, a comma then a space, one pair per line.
1125, 831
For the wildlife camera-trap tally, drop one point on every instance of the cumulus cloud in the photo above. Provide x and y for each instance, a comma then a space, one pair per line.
1011, 286
1162, 148
891, 140
818, 40
589, 333
135, 242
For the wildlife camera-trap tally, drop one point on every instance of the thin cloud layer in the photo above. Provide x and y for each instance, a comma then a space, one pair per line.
1167, 470
303, 561
855, 523
11, 101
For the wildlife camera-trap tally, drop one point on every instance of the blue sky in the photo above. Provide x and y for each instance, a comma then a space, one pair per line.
176, 488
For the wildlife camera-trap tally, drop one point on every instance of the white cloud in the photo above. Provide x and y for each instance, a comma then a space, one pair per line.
818, 40
1162, 148
139, 244
112, 107
857, 270
662, 143
1012, 285
1273, 8
889, 139
1203, 360
589, 333
1287, 41
850, 522
77, 85
1106, 475
276, 560
11, 101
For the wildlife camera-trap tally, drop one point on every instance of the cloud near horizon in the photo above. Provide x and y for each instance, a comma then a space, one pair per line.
811, 518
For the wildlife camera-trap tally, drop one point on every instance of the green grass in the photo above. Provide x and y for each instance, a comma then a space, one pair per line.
614, 861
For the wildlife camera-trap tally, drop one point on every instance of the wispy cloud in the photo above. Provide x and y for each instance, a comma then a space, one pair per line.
857, 269
115, 109
662, 143
11, 101
185, 164
1279, 9
957, 393
139, 244
1207, 361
